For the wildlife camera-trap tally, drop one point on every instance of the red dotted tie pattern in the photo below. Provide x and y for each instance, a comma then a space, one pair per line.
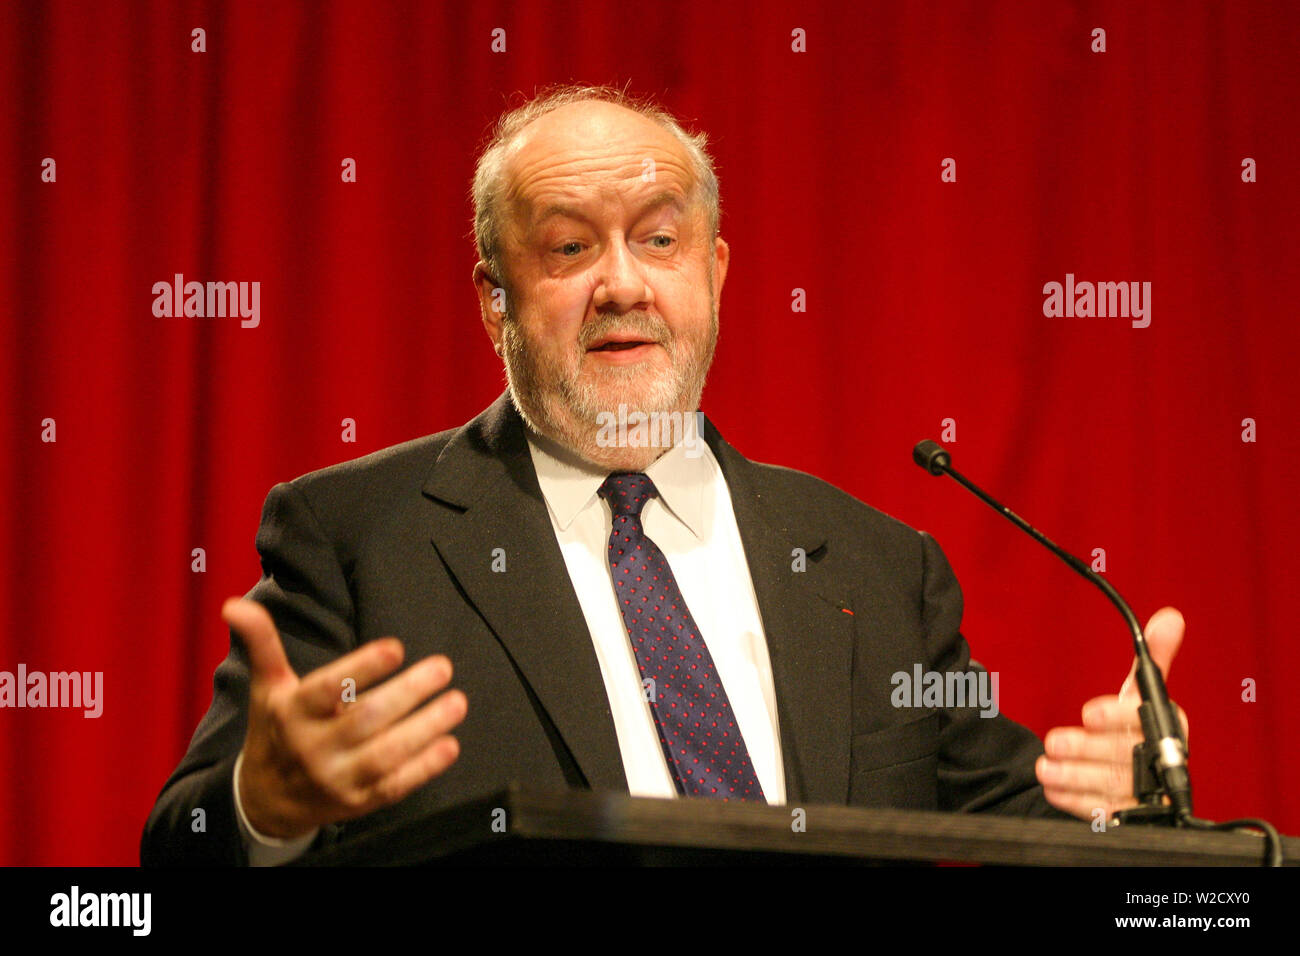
697, 728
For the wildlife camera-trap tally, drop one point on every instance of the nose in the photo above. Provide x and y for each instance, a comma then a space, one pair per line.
621, 285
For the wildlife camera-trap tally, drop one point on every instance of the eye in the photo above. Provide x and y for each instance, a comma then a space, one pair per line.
569, 249
666, 244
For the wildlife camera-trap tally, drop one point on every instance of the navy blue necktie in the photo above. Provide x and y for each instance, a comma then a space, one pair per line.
697, 728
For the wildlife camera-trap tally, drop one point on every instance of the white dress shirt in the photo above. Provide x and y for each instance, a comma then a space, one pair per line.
692, 522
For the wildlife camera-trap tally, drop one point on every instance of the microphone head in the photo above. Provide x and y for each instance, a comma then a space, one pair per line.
931, 456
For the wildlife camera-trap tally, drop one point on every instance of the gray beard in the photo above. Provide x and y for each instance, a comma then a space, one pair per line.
555, 404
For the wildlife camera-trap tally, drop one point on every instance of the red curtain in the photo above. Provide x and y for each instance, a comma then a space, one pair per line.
924, 302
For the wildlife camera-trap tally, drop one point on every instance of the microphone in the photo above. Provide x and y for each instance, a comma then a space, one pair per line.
1164, 753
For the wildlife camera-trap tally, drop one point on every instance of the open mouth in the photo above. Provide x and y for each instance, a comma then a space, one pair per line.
624, 341
619, 346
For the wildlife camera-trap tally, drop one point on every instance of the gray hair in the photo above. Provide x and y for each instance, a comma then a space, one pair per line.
487, 188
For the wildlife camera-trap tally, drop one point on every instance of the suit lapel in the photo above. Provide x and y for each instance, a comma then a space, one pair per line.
486, 480
809, 635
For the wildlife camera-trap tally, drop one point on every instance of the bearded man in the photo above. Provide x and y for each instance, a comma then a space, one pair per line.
621, 615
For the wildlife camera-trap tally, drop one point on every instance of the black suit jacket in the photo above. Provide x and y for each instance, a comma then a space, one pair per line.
401, 543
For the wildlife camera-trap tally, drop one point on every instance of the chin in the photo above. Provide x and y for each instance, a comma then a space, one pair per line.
640, 388
622, 459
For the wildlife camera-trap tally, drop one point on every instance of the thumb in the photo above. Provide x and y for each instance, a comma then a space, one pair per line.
1164, 635
253, 624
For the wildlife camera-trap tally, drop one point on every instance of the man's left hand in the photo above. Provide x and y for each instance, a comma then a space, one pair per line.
1091, 767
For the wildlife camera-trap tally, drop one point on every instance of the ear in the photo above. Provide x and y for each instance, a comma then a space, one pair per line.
489, 302
721, 259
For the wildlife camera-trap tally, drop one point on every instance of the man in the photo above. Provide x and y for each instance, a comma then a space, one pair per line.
544, 553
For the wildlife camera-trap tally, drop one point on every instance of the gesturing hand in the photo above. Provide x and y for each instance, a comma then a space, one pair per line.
1091, 767
310, 758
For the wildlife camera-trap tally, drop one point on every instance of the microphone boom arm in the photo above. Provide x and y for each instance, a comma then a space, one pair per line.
1160, 762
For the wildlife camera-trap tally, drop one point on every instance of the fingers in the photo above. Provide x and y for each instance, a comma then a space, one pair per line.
395, 762
1164, 635
1111, 715
1085, 805
1082, 787
1091, 767
378, 708
1112, 781
384, 756
321, 693
266, 658
1116, 715
1077, 744
429, 763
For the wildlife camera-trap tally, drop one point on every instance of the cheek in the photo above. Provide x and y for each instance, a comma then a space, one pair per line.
549, 341
687, 307
555, 310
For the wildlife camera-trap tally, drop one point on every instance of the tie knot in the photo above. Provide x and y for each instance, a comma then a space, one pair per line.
627, 492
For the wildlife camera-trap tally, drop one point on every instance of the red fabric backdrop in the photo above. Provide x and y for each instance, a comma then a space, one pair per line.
924, 302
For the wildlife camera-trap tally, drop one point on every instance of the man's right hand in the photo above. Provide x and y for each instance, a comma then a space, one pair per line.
310, 758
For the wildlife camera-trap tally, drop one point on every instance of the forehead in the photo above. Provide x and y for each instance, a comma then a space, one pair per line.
592, 150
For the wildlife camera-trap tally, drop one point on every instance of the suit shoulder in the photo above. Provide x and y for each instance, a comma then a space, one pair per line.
380, 476
830, 505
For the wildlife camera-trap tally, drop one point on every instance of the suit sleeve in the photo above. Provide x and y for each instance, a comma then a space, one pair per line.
304, 588
986, 764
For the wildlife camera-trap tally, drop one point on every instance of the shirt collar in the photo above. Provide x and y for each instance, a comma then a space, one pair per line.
569, 483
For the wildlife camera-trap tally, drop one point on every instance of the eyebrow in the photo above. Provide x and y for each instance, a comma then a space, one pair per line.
665, 197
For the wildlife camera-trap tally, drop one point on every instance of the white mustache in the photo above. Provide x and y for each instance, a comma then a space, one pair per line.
639, 325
